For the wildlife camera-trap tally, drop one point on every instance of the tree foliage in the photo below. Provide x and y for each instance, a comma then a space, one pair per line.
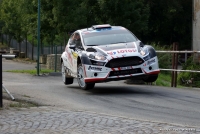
170, 21
161, 22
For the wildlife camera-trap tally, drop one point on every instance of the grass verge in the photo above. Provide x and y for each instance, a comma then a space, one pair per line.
22, 104
164, 80
32, 72
7, 103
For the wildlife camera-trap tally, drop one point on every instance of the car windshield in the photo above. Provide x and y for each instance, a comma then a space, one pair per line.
107, 37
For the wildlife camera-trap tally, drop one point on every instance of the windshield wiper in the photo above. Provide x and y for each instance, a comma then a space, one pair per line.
118, 42
92, 45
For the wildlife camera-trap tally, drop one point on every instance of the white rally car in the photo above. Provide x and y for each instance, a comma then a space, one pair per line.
107, 53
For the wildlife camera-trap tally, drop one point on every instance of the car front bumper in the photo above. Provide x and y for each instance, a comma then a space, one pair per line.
95, 74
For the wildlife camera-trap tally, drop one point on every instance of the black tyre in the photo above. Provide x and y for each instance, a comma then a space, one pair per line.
151, 78
65, 79
80, 79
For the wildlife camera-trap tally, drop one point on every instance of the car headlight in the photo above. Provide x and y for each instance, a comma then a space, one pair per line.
97, 56
143, 52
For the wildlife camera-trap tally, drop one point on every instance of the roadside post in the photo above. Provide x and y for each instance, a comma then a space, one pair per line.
174, 65
55, 52
1, 94
38, 40
1, 79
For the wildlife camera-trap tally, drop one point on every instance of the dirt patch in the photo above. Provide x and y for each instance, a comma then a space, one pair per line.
6, 103
17, 104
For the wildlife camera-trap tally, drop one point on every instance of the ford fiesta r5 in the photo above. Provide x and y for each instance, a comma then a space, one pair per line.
105, 53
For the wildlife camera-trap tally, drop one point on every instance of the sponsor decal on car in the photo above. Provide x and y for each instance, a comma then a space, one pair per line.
121, 51
126, 51
125, 68
151, 61
95, 68
112, 53
98, 63
75, 55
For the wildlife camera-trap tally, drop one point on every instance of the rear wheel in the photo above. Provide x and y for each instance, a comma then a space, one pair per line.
80, 79
151, 78
65, 79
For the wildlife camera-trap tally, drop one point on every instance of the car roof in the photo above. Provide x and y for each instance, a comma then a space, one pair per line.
91, 29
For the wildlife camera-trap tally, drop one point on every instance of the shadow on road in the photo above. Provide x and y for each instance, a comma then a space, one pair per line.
114, 90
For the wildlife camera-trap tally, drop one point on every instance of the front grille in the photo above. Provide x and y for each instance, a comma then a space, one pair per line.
125, 72
124, 62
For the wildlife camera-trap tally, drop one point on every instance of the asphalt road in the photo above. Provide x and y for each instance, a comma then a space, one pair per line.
142, 102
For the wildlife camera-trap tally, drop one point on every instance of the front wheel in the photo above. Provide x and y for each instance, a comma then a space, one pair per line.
80, 79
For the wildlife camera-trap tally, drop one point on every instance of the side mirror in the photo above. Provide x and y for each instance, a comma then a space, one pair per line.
72, 46
141, 44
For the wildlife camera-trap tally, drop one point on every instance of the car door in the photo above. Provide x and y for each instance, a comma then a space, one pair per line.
73, 50
68, 55
76, 52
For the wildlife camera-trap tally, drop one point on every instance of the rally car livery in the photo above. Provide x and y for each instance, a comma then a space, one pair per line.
105, 53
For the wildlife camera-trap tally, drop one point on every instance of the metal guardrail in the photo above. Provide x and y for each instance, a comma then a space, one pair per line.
174, 69
192, 71
1, 92
178, 51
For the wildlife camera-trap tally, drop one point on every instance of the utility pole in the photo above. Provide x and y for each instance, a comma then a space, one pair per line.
1, 92
38, 39
195, 29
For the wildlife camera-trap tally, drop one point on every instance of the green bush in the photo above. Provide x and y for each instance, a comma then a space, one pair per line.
164, 80
164, 59
183, 77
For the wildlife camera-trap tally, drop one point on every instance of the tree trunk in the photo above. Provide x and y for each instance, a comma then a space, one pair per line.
26, 55
19, 47
52, 47
65, 38
49, 47
1, 38
41, 47
9, 42
32, 48
6, 39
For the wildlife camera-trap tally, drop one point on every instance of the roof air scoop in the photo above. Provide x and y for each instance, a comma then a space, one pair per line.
101, 26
